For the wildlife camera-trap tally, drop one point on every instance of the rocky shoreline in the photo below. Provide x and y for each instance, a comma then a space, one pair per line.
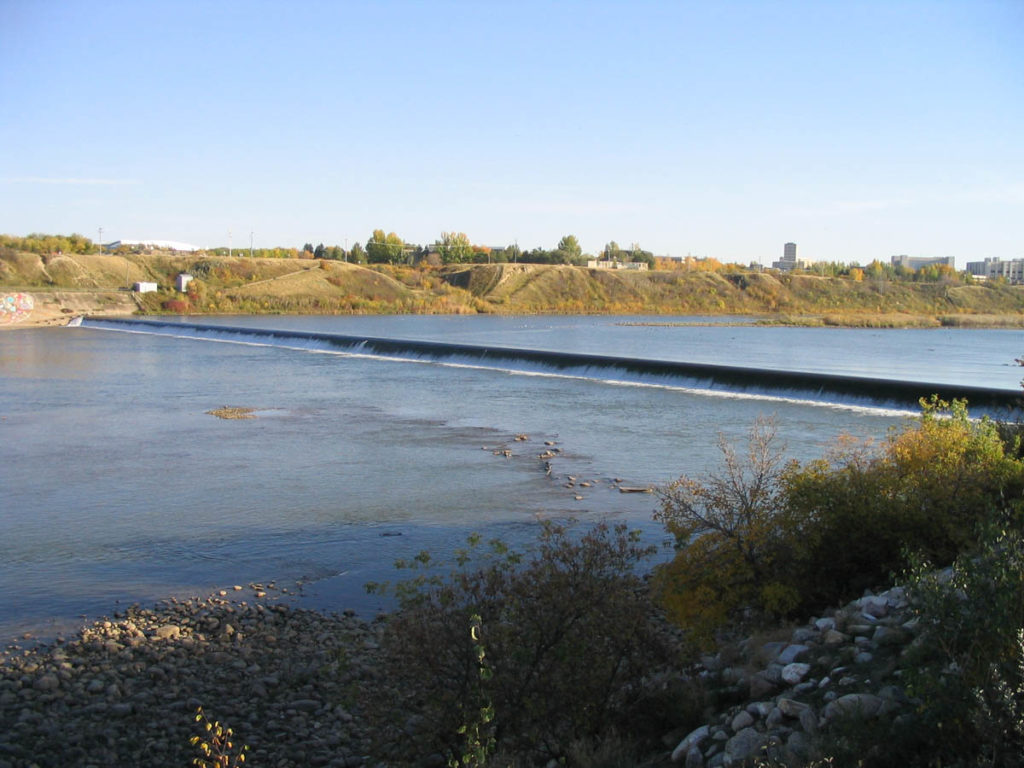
791, 690
125, 691
291, 683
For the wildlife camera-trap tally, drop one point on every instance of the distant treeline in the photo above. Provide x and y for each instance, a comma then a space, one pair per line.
48, 244
457, 248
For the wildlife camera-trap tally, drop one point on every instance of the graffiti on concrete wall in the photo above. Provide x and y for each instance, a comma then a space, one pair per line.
15, 307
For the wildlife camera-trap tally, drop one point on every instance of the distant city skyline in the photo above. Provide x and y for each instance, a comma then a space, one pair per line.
723, 130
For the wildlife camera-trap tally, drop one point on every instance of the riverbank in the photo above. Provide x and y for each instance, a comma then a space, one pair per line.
293, 684
125, 690
71, 284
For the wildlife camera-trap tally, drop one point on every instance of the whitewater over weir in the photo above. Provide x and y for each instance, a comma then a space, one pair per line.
800, 386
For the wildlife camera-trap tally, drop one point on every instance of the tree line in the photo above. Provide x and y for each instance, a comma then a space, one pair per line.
458, 248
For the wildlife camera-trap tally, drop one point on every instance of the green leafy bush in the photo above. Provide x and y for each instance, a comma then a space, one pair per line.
968, 666
569, 638
926, 488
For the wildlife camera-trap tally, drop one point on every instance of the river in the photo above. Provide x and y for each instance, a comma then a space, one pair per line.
119, 487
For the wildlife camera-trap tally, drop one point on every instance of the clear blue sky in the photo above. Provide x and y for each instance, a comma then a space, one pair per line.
856, 129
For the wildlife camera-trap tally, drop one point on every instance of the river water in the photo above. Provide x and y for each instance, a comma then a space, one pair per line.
118, 487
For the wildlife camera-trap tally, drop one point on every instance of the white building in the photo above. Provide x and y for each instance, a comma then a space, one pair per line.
635, 265
181, 282
1010, 269
144, 287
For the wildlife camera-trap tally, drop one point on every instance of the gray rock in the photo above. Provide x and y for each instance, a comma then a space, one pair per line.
167, 632
795, 672
761, 686
802, 635
791, 707
889, 637
692, 739
809, 721
744, 745
742, 720
853, 705
769, 652
825, 624
792, 653
46, 683
875, 606
834, 637
694, 758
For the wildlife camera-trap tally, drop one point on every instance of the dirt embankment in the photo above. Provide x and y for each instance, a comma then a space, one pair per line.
61, 286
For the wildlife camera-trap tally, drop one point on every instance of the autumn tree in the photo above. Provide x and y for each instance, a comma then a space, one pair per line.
728, 537
384, 249
358, 254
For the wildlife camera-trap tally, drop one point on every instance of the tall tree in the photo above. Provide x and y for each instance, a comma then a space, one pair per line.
358, 254
455, 248
569, 248
384, 249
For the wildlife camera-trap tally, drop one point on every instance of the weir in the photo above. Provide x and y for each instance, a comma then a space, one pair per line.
814, 387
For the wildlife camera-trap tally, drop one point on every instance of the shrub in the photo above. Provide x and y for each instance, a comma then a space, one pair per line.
926, 488
177, 306
569, 638
968, 666
730, 537
762, 539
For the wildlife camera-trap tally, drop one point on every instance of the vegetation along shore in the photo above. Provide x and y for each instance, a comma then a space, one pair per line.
58, 278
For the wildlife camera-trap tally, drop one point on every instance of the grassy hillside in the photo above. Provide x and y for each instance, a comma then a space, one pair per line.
244, 285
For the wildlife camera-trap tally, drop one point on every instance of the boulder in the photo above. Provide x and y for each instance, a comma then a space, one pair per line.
791, 707
761, 686
853, 705
792, 653
795, 672
692, 739
743, 746
742, 720
809, 721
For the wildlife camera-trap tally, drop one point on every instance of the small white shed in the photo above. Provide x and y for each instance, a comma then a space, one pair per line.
144, 287
182, 281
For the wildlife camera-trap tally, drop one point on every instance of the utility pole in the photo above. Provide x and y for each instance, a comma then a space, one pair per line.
100, 243
229, 243
250, 244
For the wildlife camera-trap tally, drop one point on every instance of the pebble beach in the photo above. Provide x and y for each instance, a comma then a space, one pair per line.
125, 690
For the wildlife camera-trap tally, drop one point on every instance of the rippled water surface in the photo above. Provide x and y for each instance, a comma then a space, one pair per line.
118, 486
